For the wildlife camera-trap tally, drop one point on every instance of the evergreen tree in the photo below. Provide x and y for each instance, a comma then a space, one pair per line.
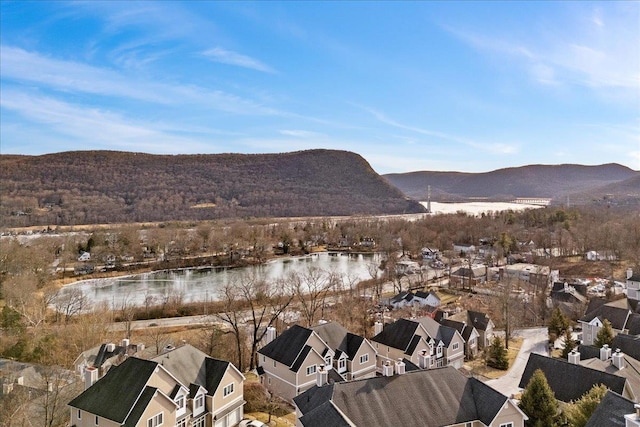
605, 335
558, 323
569, 344
578, 413
497, 357
538, 401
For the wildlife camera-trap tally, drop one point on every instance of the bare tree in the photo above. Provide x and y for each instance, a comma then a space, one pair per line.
310, 289
70, 302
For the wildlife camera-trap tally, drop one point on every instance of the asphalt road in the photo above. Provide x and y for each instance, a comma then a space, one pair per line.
535, 341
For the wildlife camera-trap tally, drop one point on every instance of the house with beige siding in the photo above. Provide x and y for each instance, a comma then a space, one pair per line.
218, 382
424, 342
203, 392
288, 365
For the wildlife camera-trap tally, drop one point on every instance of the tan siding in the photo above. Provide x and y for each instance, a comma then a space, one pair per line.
163, 381
230, 376
157, 405
509, 413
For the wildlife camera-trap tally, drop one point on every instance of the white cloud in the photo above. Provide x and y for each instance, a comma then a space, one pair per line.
75, 77
229, 57
91, 126
301, 133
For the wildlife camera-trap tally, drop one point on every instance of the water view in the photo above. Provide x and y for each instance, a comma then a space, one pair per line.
477, 208
204, 284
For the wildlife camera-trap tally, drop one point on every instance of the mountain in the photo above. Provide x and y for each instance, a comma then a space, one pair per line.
544, 181
86, 187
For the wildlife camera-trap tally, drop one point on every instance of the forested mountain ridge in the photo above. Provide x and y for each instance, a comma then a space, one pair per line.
85, 187
548, 181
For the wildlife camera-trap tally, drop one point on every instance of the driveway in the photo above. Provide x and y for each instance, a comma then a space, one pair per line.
535, 341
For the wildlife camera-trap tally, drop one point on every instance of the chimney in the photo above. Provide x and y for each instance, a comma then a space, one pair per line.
400, 367
125, 343
629, 273
387, 369
618, 359
424, 359
322, 322
605, 352
90, 376
111, 347
20, 380
637, 408
377, 328
322, 376
271, 335
140, 348
574, 357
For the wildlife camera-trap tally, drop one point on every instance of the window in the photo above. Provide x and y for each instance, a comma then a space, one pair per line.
198, 403
456, 345
269, 380
180, 402
364, 358
311, 370
199, 422
227, 390
182, 423
506, 425
327, 360
468, 424
342, 364
156, 420
96, 420
439, 351
79, 414
264, 359
274, 363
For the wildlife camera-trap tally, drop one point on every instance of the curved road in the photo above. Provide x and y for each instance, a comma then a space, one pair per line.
535, 341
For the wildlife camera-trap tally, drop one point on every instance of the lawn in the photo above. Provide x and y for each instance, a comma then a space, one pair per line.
479, 367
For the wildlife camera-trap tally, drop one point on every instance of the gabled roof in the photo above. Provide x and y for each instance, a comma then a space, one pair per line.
191, 366
611, 411
140, 406
286, 348
616, 312
634, 278
398, 334
438, 331
325, 415
628, 344
569, 381
113, 396
391, 401
633, 324
303, 355
339, 339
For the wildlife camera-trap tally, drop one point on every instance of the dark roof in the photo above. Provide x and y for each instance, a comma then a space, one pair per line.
215, 371
397, 334
113, 396
588, 352
104, 354
140, 406
438, 331
479, 320
612, 312
324, 415
334, 376
391, 401
413, 344
286, 348
569, 381
611, 411
628, 344
634, 278
409, 365
458, 326
303, 355
633, 325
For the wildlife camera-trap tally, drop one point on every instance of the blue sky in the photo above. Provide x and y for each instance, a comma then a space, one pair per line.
464, 86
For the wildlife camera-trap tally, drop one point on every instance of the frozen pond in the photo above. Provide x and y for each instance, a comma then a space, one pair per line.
204, 284
477, 208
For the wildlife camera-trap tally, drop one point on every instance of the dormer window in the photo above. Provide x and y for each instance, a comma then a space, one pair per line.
342, 364
439, 351
180, 402
198, 402
327, 360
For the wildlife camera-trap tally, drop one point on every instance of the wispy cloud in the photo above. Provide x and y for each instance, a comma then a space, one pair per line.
104, 128
75, 77
301, 133
598, 50
229, 57
495, 148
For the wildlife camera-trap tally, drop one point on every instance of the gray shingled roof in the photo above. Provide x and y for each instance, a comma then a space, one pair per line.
191, 366
479, 320
628, 344
339, 339
303, 355
323, 416
433, 397
614, 313
611, 411
113, 396
569, 381
286, 348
